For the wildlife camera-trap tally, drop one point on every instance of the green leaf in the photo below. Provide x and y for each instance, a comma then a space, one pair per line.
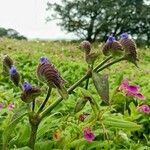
80, 104
102, 86
118, 122
15, 119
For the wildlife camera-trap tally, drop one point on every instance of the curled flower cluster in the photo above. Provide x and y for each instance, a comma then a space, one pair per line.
125, 44
9, 68
131, 90
86, 46
112, 46
47, 72
88, 134
144, 109
29, 92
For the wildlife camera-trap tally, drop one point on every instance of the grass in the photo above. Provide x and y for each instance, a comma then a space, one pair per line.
69, 60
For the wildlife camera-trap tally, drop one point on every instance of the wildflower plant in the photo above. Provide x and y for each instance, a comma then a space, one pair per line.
48, 74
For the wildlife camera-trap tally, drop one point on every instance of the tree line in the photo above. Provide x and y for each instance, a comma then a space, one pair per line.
11, 33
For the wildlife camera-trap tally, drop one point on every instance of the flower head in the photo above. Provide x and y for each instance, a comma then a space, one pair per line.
27, 86
88, 134
11, 106
131, 90
44, 60
110, 39
144, 109
13, 70
125, 35
83, 116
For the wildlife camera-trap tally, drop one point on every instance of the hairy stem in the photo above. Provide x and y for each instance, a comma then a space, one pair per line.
113, 62
45, 101
88, 75
34, 123
32, 140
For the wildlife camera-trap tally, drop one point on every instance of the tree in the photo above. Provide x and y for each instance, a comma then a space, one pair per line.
94, 19
11, 33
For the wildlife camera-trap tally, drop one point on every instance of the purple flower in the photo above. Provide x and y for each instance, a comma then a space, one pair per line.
11, 106
131, 90
144, 109
125, 35
44, 60
110, 39
13, 70
27, 86
88, 134
1, 106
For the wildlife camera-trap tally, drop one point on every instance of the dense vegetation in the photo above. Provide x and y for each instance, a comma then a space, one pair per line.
122, 128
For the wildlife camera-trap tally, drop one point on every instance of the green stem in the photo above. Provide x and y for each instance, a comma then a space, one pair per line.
88, 75
45, 101
32, 140
113, 62
102, 63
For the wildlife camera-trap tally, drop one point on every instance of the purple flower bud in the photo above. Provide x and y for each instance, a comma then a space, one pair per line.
44, 60
144, 109
1, 106
27, 86
110, 39
88, 134
13, 70
125, 35
11, 106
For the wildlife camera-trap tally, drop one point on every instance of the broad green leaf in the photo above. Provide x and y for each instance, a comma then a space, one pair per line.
102, 86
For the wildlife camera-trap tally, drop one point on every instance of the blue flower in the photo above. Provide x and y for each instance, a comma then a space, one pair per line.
110, 39
13, 70
44, 60
124, 35
27, 86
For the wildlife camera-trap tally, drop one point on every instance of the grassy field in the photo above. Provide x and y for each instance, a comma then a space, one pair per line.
69, 60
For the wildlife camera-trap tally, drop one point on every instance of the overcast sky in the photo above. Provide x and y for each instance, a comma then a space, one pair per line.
28, 18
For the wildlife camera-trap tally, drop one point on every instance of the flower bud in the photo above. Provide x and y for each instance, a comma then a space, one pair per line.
46, 72
14, 75
7, 63
86, 46
129, 46
29, 93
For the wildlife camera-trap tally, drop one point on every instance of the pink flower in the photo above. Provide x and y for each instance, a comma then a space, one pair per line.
144, 109
131, 90
1, 106
83, 116
11, 106
88, 134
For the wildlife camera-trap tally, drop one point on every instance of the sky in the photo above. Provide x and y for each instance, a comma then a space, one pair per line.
28, 17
